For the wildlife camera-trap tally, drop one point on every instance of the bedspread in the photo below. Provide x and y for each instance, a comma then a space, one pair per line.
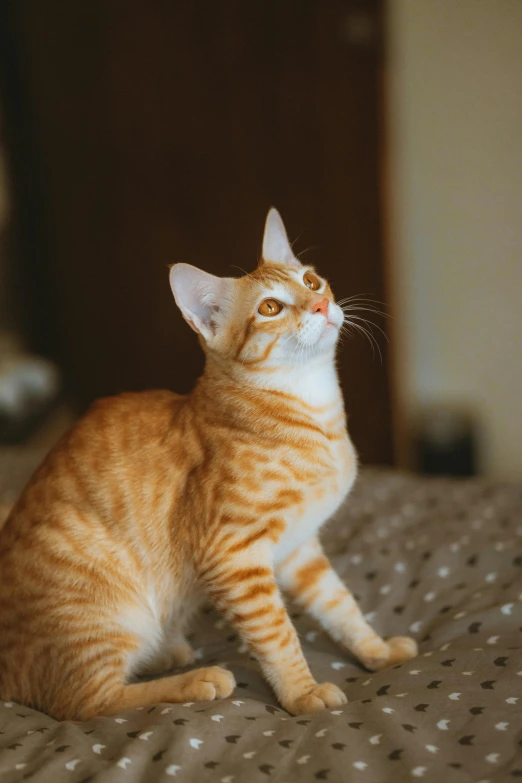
440, 560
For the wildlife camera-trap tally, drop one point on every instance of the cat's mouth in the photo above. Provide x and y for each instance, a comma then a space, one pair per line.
333, 321
331, 329
329, 332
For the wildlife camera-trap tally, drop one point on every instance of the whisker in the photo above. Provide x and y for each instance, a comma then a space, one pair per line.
374, 340
361, 298
293, 334
248, 274
345, 332
292, 243
355, 308
370, 323
306, 250
354, 301
366, 332
296, 348
369, 336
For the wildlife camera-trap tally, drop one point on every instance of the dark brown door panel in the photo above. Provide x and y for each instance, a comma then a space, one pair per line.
162, 131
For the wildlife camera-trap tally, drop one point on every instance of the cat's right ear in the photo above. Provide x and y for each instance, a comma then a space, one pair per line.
198, 295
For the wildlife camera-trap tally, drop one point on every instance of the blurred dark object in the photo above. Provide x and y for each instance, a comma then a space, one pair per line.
29, 390
446, 441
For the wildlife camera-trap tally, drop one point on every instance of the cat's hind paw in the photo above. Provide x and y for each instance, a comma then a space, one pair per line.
207, 684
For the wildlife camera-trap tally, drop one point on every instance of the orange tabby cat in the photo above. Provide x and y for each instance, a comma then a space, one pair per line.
154, 500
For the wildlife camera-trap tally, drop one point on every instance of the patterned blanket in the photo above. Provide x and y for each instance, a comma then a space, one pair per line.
440, 560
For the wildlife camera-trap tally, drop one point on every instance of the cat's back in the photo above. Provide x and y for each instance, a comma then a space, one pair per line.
114, 456
126, 427
132, 417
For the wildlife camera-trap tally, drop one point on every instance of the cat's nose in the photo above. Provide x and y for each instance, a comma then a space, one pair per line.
321, 306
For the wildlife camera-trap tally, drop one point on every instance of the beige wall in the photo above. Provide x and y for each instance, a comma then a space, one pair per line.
455, 136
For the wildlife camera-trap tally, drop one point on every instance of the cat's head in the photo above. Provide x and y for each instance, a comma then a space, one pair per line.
281, 314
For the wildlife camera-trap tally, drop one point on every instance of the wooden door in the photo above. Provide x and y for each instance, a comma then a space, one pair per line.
162, 131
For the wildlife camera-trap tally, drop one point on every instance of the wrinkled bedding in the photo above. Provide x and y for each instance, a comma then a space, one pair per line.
437, 559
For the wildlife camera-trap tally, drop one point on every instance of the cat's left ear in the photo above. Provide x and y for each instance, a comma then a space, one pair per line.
199, 296
276, 246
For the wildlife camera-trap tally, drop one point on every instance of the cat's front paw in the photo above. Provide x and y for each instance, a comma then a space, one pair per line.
318, 698
380, 654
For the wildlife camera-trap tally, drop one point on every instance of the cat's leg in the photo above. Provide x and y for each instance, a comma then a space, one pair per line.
310, 579
80, 687
245, 591
85, 682
198, 685
181, 650
175, 652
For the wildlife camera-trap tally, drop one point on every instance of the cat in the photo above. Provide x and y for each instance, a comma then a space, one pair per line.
154, 501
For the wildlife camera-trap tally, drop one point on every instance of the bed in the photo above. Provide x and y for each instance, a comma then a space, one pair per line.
437, 559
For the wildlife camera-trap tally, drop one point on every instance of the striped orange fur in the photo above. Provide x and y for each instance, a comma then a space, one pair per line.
153, 501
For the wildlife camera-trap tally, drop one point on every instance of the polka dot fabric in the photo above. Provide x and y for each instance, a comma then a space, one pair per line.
439, 560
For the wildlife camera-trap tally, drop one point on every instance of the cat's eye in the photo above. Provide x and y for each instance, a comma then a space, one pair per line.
270, 307
311, 281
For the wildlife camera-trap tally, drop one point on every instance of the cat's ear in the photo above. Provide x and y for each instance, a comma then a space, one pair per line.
199, 296
276, 246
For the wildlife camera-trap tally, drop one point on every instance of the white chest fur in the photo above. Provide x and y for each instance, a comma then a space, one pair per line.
317, 385
320, 502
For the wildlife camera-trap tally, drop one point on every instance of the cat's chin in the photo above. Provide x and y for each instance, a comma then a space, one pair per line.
329, 336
